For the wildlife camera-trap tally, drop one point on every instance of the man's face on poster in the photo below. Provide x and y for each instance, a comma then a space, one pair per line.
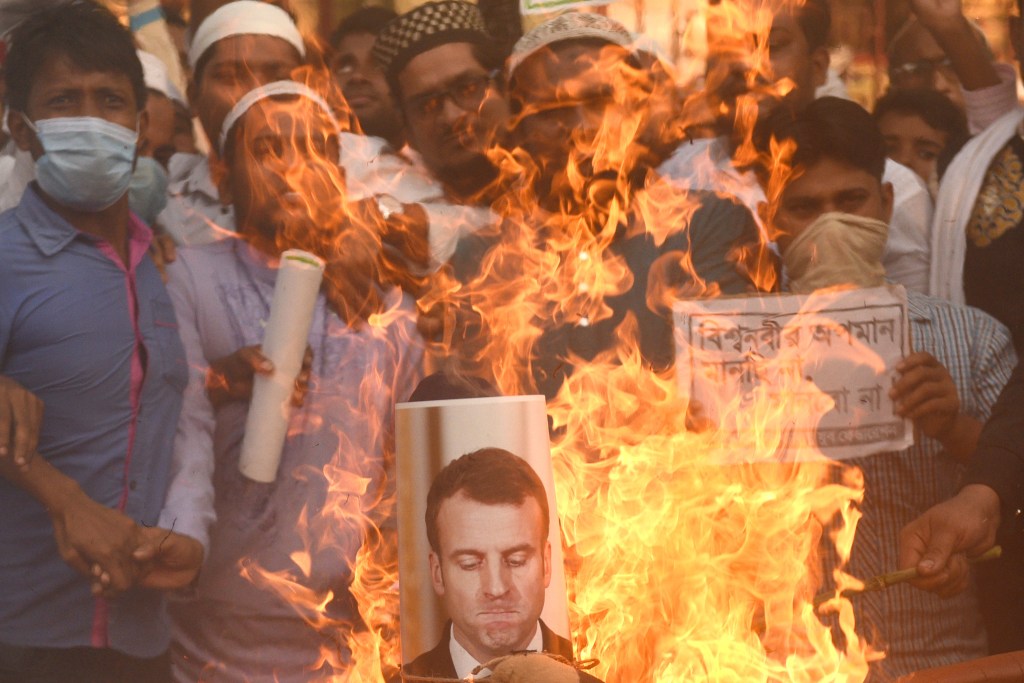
491, 571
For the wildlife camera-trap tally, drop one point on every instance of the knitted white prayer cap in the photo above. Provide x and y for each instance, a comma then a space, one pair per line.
568, 26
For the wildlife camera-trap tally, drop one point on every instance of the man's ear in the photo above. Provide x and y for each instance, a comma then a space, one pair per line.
547, 563
887, 201
436, 578
24, 137
820, 60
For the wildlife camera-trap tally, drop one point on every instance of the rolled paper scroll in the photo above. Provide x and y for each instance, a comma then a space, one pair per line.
284, 343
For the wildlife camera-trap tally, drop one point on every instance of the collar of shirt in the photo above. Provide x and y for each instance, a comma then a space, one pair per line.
50, 232
917, 307
465, 663
191, 173
260, 267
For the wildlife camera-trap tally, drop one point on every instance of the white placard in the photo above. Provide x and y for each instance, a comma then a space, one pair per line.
431, 434
824, 363
284, 343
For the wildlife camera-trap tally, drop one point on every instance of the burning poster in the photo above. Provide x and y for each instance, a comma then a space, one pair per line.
828, 357
477, 567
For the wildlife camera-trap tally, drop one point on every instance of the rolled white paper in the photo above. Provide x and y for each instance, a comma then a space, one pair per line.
284, 343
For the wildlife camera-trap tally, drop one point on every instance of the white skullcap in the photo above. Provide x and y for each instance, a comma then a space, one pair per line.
154, 72
267, 91
569, 26
241, 18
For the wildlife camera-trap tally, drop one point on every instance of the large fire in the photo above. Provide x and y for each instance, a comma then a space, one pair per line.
679, 568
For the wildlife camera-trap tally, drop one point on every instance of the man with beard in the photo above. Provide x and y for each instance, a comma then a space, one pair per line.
573, 86
444, 72
279, 147
360, 78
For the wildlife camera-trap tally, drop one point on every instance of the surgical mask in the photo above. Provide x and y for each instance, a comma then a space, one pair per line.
837, 249
147, 193
87, 161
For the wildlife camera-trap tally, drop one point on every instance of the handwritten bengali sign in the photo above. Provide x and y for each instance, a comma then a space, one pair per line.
819, 366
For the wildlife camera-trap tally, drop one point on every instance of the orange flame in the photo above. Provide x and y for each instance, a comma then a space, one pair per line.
679, 568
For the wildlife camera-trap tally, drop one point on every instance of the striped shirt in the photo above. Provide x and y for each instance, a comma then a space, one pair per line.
917, 629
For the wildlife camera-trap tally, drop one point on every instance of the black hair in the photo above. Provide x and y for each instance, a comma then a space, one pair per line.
492, 476
827, 128
371, 20
85, 32
815, 20
933, 108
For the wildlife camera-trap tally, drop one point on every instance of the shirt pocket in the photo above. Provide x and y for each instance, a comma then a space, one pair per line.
169, 357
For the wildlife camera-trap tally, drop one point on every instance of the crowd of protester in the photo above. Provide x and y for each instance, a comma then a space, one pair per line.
431, 166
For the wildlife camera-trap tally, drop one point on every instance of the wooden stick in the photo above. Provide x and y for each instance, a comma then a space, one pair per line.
883, 581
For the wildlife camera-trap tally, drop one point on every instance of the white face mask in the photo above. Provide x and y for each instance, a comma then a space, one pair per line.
837, 249
87, 161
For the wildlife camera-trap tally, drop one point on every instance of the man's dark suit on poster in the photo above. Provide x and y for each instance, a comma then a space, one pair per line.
438, 661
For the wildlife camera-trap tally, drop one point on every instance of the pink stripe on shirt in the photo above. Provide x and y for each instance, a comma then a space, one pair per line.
139, 239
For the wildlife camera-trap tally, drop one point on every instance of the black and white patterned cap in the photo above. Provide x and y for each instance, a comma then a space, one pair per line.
424, 28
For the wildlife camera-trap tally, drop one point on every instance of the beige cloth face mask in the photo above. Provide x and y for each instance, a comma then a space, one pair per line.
837, 249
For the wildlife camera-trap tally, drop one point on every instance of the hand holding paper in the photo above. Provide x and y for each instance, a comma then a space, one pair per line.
926, 394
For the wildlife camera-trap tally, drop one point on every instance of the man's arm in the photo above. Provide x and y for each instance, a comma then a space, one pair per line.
993, 490
945, 20
88, 534
999, 459
21, 414
938, 542
168, 560
990, 89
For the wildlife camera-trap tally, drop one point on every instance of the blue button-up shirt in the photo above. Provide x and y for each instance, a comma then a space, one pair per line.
97, 342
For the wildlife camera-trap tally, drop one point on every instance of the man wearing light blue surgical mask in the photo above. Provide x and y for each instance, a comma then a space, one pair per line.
94, 521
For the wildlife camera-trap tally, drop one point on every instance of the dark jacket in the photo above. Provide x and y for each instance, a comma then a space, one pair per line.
438, 662
998, 461
714, 238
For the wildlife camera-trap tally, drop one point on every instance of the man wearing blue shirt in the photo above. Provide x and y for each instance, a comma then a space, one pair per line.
88, 331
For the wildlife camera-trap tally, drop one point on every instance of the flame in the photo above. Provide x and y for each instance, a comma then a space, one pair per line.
679, 568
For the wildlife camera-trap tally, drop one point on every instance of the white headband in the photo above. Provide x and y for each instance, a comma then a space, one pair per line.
244, 17
267, 91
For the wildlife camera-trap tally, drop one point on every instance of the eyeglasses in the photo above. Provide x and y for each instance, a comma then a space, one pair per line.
922, 69
467, 92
